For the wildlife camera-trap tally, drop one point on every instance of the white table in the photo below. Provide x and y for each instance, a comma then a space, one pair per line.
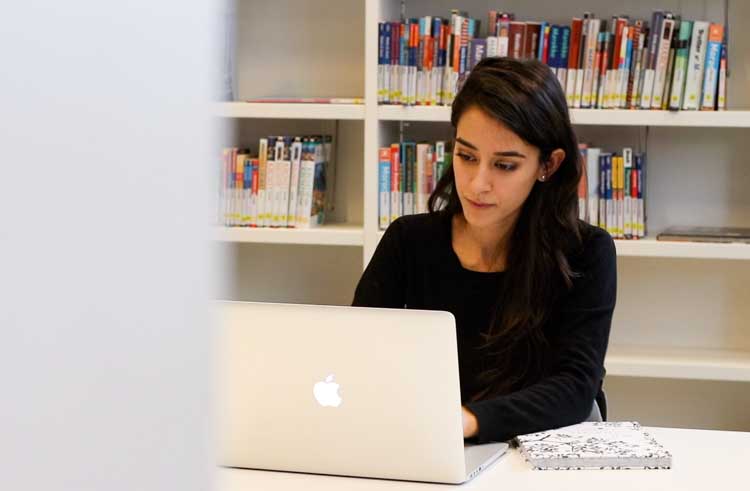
701, 460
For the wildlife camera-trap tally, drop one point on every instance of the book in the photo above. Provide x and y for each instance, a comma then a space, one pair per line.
713, 63
384, 187
696, 63
680, 64
595, 445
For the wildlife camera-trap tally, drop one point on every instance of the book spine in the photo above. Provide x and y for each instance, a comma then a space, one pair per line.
713, 62
653, 51
562, 67
610, 196
603, 97
439, 160
554, 49
640, 163
662, 60
696, 63
633, 59
285, 174
403, 68
592, 41
294, 182
420, 177
670, 68
592, 185
384, 186
603, 191
575, 40
721, 101
627, 155
396, 169
306, 182
254, 194
544, 44
381, 62
582, 183
680, 65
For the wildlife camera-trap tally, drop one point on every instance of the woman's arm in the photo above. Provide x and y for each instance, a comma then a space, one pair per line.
383, 282
565, 397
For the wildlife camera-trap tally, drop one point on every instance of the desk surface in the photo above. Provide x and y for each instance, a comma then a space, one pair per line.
701, 460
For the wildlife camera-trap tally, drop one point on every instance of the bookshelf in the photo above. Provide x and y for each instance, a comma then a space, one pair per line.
682, 307
290, 111
334, 235
678, 363
604, 117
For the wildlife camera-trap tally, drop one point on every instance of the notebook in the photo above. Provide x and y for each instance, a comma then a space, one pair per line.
594, 445
706, 234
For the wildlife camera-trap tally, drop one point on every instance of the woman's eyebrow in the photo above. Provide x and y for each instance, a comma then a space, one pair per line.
507, 153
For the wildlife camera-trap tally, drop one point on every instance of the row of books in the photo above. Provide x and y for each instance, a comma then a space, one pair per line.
610, 193
408, 173
288, 184
630, 64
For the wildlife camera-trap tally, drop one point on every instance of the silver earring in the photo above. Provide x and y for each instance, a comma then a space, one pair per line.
544, 176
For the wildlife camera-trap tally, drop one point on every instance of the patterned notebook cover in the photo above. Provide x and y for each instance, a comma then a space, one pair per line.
595, 445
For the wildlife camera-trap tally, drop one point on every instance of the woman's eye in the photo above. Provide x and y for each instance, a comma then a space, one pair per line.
465, 156
505, 166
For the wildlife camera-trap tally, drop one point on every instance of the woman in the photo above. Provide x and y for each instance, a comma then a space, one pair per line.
532, 288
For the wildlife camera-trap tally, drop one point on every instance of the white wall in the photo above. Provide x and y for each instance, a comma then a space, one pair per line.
105, 268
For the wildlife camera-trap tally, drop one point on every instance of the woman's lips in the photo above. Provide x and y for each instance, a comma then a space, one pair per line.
479, 205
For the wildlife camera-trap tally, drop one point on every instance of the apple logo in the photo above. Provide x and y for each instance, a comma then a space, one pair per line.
327, 393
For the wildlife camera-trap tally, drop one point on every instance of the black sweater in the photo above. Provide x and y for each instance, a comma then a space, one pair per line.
414, 266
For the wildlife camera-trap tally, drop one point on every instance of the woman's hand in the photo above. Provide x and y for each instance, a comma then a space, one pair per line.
471, 425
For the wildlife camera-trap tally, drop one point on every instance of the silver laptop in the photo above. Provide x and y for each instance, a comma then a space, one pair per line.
345, 391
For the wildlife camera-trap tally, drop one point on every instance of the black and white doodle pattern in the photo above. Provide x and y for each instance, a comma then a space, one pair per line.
595, 445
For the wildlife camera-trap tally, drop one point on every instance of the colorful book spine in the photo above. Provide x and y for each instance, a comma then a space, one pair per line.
713, 63
384, 187
640, 165
396, 182
254, 194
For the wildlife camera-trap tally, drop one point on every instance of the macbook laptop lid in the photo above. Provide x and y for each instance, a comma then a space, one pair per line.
343, 390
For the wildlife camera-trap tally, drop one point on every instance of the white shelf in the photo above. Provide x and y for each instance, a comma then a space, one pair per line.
678, 363
611, 117
289, 111
336, 234
650, 247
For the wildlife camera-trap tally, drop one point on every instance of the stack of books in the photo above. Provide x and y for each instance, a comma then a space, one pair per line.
289, 184
668, 63
611, 193
407, 174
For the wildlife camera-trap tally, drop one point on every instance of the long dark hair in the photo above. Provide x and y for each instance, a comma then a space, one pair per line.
526, 97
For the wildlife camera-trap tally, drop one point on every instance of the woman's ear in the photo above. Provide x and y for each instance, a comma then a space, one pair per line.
551, 165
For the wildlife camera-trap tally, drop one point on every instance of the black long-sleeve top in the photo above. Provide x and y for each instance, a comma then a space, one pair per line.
414, 266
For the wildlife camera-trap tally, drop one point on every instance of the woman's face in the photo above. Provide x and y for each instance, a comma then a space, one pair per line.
494, 169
